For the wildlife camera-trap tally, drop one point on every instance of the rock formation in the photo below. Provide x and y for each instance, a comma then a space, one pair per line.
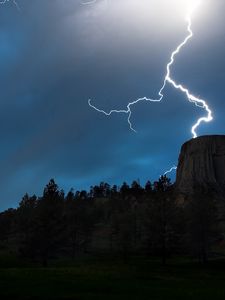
202, 163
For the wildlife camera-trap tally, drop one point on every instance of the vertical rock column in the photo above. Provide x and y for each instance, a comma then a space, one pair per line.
202, 163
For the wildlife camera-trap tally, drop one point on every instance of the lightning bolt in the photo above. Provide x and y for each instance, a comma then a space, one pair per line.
168, 79
14, 2
174, 168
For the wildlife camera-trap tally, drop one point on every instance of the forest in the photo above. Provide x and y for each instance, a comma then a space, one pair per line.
127, 221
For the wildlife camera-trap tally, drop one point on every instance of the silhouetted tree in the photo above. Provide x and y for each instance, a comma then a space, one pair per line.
148, 187
124, 190
50, 221
7, 227
159, 219
27, 226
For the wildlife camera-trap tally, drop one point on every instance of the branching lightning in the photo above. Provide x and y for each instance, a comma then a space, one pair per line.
168, 79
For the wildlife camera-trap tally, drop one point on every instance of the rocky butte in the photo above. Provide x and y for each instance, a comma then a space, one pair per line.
202, 164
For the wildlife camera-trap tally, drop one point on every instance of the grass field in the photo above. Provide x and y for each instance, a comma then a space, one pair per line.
139, 279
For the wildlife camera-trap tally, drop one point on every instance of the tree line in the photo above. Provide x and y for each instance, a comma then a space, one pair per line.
128, 220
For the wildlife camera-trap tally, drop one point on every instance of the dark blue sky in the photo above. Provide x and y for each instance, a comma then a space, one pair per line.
56, 54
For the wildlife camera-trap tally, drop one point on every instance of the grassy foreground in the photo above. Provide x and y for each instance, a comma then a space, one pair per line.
112, 279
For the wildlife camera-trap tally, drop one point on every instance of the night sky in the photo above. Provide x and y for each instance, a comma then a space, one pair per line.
56, 54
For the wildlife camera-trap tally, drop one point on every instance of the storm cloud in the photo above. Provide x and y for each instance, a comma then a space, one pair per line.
55, 55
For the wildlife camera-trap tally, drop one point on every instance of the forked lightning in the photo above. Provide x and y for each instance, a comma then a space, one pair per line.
168, 79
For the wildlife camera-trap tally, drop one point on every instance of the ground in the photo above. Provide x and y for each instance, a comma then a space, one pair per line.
104, 278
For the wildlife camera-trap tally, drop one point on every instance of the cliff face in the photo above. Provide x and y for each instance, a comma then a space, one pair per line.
202, 163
